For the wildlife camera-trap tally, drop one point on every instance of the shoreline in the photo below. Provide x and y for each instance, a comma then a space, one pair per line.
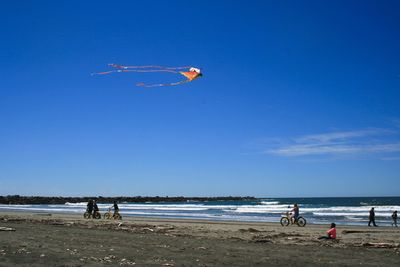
72, 241
31, 200
386, 223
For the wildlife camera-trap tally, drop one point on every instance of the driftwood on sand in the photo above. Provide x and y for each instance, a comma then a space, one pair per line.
381, 245
7, 229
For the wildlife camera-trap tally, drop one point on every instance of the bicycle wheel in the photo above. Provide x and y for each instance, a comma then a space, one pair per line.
107, 215
301, 222
117, 217
97, 215
86, 215
285, 221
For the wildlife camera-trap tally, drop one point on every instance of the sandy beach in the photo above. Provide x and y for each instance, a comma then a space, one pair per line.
69, 240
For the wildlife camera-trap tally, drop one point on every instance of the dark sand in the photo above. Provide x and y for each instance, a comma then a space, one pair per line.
67, 240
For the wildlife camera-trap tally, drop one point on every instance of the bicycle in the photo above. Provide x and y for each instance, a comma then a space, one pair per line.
95, 215
109, 215
287, 219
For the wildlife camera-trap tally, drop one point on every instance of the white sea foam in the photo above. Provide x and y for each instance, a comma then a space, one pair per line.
346, 214
269, 202
76, 204
263, 211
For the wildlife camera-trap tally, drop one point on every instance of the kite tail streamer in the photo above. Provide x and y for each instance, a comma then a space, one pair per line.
190, 73
139, 70
161, 84
144, 71
147, 67
105, 72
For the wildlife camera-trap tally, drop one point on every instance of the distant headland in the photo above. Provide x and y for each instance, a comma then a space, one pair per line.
17, 199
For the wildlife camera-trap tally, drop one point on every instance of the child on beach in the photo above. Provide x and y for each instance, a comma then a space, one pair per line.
331, 233
394, 218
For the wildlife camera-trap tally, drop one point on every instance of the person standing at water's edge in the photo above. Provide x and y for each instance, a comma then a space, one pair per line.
372, 217
394, 218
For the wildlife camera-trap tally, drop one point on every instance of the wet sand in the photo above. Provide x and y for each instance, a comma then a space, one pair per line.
69, 240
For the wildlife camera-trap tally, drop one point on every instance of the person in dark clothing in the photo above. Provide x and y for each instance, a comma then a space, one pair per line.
116, 208
372, 217
90, 206
394, 218
95, 207
296, 213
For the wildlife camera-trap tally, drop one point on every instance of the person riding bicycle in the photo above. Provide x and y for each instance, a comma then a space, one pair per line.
295, 213
95, 207
116, 208
89, 206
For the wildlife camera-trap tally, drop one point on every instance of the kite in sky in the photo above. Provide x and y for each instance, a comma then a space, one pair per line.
190, 73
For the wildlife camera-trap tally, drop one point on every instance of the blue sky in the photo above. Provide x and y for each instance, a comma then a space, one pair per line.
298, 98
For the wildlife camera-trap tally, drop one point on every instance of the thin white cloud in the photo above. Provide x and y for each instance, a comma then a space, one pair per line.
335, 136
366, 141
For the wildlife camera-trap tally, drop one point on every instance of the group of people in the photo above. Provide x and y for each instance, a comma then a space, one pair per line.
331, 233
372, 218
92, 207
295, 214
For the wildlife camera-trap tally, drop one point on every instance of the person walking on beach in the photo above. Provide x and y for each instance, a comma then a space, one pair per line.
331, 233
394, 218
372, 217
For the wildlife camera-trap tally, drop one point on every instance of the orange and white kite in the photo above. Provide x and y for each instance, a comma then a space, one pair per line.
190, 73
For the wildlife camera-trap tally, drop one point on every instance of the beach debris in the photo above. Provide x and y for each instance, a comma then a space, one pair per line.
7, 229
107, 259
162, 246
190, 73
381, 245
251, 230
42, 255
359, 232
164, 229
263, 241
43, 214
126, 262
22, 251
170, 235
72, 251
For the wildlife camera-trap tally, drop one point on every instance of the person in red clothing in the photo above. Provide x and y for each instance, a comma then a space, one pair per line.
331, 233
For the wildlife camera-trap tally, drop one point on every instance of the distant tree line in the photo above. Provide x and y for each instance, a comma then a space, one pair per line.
17, 199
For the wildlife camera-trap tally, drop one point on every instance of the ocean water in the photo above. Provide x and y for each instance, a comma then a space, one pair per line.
351, 211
